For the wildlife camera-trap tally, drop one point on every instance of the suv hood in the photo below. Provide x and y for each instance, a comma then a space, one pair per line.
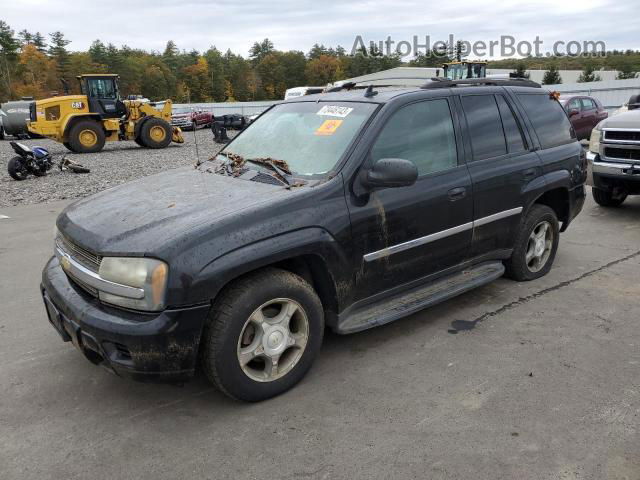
630, 119
143, 216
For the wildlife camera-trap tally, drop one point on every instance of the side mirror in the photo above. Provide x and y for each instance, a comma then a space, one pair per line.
573, 112
390, 173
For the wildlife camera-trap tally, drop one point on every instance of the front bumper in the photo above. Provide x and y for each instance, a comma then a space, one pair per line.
608, 174
159, 347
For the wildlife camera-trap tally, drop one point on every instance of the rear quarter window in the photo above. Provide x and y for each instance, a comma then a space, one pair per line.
549, 119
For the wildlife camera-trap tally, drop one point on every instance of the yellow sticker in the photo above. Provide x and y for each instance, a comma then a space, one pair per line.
329, 127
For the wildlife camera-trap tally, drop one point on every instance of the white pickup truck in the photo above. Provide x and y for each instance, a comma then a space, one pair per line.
614, 157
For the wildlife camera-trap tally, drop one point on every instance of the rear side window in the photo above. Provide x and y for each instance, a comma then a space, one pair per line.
485, 126
587, 104
421, 132
512, 131
548, 118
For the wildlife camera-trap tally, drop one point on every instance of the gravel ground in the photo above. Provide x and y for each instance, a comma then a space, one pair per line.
118, 163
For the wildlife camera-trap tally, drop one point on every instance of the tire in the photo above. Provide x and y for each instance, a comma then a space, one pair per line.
1, 133
605, 198
86, 136
231, 330
155, 133
138, 141
17, 168
67, 146
522, 266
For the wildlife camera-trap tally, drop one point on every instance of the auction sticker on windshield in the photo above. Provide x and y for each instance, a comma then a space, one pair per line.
329, 127
335, 111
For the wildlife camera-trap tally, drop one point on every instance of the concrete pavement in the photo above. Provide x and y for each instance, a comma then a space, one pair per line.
545, 385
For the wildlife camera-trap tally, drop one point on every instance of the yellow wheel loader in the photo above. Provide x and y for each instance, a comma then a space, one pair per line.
83, 123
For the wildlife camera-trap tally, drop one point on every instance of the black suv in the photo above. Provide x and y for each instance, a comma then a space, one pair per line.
349, 210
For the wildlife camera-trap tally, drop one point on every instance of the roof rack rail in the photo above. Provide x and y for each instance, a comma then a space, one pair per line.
437, 82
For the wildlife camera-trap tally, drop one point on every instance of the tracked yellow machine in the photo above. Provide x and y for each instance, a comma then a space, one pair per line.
83, 123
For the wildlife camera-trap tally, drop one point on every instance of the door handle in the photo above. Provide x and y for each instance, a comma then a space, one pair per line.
457, 193
530, 174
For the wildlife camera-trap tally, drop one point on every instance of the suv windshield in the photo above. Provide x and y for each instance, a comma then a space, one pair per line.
310, 137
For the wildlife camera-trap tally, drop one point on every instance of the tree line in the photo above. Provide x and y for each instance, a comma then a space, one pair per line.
31, 65
34, 65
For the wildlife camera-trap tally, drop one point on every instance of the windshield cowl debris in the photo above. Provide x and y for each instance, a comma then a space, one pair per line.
235, 166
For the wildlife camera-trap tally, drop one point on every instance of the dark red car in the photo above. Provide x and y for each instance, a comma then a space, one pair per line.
584, 112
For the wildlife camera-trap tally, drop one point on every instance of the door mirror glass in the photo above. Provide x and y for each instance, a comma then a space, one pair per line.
391, 173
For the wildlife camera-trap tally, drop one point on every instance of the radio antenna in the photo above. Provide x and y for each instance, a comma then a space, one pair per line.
195, 139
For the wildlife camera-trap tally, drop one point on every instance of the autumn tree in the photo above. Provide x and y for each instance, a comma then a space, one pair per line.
36, 73
323, 70
196, 79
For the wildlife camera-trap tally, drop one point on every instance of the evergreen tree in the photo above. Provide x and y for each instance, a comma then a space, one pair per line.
626, 72
8, 59
260, 50
552, 76
521, 70
588, 74
58, 51
39, 42
25, 37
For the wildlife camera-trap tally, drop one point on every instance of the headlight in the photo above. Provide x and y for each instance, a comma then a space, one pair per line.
147, 274
594, 141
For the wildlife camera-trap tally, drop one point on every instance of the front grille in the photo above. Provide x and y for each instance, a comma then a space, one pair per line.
622, 135
79, 254
87, 288
622, 153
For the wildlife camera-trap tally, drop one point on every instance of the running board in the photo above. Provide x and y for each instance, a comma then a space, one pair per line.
418, 298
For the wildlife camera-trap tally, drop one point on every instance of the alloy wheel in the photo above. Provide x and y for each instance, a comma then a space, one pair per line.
273, 339
539, 246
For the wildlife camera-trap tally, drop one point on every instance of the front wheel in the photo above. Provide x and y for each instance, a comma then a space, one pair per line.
535, 246
17, 168
606, 198
155, 133
263, 334
86, 136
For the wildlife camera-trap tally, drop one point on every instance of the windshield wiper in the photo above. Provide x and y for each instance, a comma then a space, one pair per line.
233, 166
280, 167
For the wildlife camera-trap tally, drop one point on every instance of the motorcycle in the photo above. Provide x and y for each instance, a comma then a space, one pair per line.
37, 161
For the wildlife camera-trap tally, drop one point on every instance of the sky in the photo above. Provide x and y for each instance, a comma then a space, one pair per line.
297, 25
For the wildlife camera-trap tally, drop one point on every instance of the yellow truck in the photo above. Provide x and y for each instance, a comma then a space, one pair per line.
83, 123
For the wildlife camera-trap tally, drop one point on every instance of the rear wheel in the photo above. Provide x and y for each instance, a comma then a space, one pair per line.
263, 335
86, 136
17, 168
535, 246
606, 198
155, 133
68, 146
